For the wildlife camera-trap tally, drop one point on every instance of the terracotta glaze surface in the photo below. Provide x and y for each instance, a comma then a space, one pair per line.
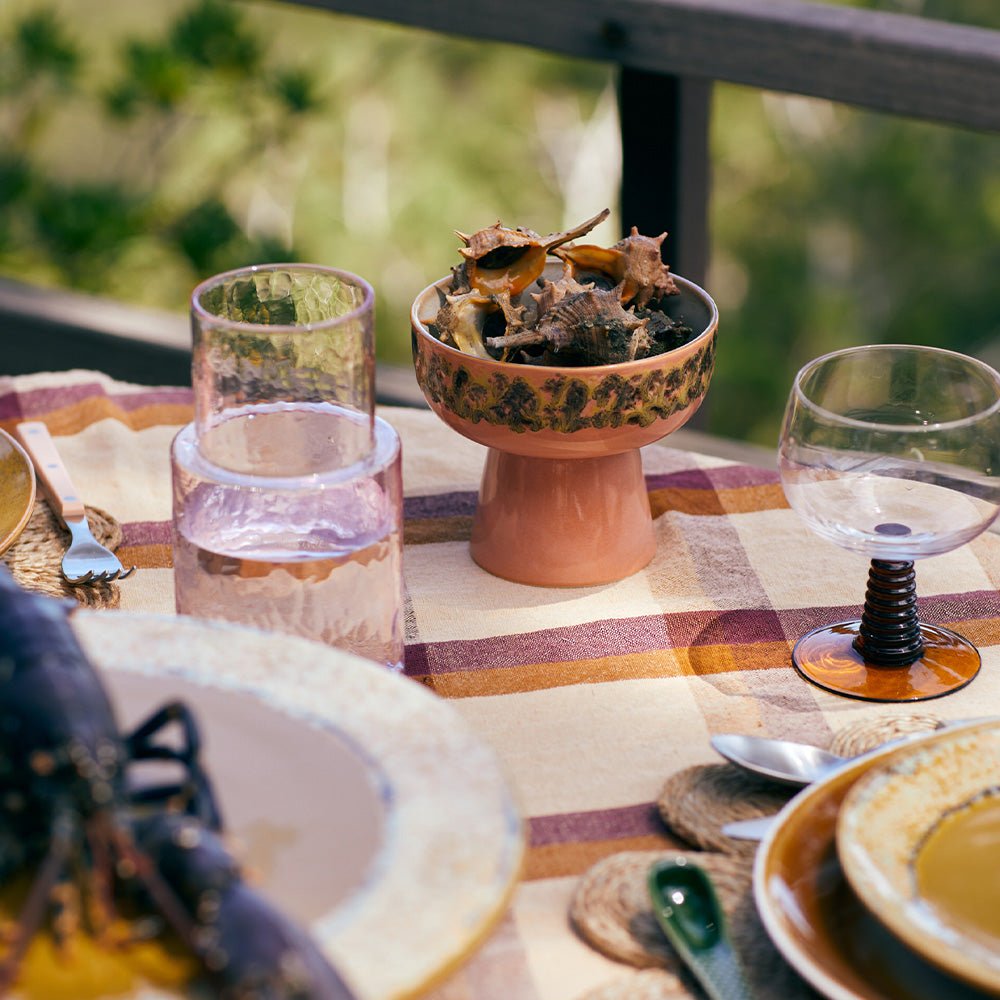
918, 841
816, 920
595, 519
17, 490
563, 501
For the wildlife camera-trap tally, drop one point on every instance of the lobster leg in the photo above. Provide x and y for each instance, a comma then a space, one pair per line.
195, 795
139, 867
173, 711
100, 900
33, 911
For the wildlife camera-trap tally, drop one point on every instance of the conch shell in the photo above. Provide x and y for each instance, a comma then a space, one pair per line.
634, 263
605, 308
462, 320
498, 259
589, 326
553, 292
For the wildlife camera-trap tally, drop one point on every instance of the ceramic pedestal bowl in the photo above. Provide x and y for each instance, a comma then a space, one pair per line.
563, 500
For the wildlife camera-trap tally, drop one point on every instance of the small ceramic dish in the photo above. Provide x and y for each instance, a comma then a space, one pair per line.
917, 838
17, 490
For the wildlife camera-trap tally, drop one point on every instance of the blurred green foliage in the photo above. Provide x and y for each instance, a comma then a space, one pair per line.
201, 135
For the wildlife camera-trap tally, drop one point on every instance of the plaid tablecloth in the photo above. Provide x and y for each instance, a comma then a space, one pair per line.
592, 697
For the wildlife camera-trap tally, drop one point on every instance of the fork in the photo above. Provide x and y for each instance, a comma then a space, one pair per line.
86, 560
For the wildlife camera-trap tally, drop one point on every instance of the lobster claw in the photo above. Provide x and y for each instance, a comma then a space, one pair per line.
247, 946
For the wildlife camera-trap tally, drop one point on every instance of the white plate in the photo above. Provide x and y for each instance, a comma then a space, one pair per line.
890, 817
371, 812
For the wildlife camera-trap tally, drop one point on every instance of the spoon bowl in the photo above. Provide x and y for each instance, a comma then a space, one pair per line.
782, 761
688, 911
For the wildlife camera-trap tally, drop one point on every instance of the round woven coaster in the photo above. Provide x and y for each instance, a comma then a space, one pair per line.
612, 912
611, 909
696, 802
646, 984
867, 734
35, 558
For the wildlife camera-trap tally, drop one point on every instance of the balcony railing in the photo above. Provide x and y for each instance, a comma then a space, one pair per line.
669, 53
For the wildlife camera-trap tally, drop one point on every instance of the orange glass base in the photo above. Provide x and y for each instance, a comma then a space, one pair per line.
827, 657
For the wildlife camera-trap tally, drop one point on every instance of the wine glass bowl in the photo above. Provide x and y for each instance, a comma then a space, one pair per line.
892, 451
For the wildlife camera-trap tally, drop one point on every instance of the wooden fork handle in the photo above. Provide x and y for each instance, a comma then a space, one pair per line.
51, 472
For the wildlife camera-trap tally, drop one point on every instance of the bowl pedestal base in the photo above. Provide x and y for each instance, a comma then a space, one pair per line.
574, 522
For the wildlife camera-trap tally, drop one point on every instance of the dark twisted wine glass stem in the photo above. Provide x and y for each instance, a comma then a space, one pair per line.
890, 629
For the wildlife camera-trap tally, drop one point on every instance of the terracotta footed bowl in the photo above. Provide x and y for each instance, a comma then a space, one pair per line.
563, 500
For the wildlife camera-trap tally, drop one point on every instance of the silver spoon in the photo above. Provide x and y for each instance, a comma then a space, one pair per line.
796, 764
688, 911
800, 764
788, 763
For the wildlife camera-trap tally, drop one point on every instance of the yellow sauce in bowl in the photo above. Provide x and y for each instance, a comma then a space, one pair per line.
957, 869
83, 968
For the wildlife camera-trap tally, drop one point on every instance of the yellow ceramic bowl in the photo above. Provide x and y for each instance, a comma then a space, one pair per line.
918, 839
17, 490
816, 920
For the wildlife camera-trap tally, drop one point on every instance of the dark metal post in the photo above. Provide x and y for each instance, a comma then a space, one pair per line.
665, 164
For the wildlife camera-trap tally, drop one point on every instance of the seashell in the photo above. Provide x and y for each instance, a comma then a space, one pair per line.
588, 327
553, 292
633, 262
463, 320
498, 259
665, 332
459, 280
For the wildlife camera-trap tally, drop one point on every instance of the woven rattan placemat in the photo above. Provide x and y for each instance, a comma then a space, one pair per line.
35, 557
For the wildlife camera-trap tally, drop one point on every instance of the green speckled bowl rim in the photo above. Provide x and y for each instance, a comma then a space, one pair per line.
883, 823
17, 494
454, 839
420, 322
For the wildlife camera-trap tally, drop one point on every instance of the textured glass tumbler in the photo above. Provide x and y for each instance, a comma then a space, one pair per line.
316, 555
287, 491
280, 339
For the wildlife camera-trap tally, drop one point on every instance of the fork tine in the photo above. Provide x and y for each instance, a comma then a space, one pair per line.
86, 560
127, 573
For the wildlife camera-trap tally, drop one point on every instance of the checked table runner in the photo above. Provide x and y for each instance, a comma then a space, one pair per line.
592, 697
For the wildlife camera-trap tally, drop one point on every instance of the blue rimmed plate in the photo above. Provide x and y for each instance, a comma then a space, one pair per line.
365, 806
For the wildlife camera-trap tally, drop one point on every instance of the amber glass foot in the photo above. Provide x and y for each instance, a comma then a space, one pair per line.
827, 656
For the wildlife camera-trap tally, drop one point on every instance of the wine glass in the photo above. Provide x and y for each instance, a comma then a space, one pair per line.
892, 451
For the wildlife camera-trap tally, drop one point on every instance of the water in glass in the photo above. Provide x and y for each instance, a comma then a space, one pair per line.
317, 555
